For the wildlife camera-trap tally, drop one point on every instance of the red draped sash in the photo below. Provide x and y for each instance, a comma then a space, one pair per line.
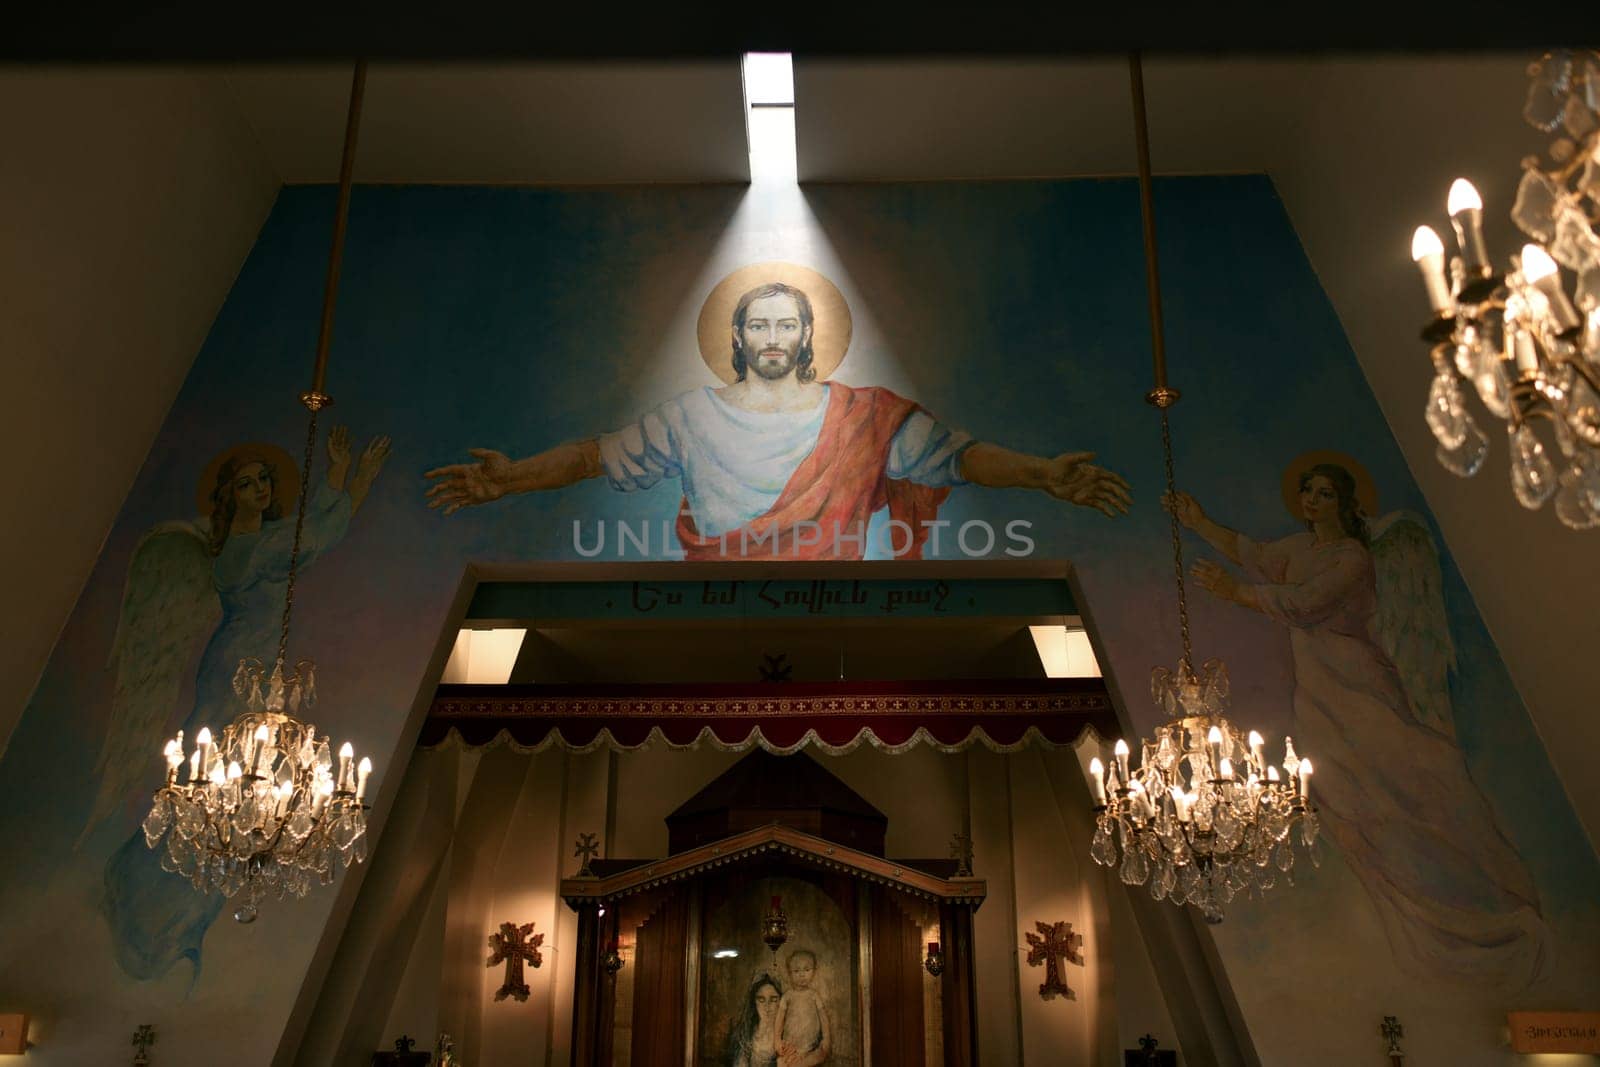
822, 512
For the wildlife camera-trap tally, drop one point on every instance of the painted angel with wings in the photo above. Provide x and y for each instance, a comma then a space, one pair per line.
220, 579
1372, 653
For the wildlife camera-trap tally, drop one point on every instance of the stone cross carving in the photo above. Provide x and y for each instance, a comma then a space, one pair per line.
511, 946
1053, 940
587, 847
961, 852
1392, 1032
143, 1038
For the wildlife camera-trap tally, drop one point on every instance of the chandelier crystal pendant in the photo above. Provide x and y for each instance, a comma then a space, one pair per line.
264, 809
1203, 816
1528, 349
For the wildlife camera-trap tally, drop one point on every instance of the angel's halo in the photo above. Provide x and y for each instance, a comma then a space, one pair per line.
1366, 491
285, 474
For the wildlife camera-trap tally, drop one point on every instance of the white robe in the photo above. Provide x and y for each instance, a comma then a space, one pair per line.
1394, 793
735, 463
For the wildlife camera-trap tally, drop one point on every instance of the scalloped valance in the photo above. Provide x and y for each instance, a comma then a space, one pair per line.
834, 717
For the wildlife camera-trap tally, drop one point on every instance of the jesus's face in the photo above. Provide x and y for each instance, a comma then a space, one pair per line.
772, 336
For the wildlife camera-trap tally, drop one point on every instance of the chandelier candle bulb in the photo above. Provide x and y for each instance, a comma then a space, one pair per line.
1427, 251
1305, 779
1121, 752
1214, 739
347, 753
1225, 769
259, 749
1527, 354
1097, 783
203, 740
1541, 272
1466, 215
363, 769
1257, 743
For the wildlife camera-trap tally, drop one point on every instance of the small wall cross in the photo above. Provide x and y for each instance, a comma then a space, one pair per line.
1392, 1032
511, 947
1052, 941
587, 847
143, 1038
961, 852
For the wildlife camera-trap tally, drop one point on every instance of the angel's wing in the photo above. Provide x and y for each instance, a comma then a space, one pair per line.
168, 605
1411, 623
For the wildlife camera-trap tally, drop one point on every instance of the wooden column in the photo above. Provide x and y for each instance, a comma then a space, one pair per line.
958, 987
586, 1014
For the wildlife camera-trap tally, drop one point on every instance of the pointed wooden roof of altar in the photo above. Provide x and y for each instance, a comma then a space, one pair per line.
770, 842
795, 791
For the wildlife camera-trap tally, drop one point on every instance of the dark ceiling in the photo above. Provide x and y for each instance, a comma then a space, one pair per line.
190, 31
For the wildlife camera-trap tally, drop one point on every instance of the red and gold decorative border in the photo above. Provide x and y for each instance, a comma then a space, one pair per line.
1003, 715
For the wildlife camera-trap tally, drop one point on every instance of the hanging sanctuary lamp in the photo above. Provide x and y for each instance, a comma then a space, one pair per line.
1203, 816
263, 808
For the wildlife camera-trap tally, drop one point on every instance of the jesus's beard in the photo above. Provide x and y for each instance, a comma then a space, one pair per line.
770, 368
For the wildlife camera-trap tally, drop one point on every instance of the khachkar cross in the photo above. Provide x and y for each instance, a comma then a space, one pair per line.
143, 1038
1392, 1032
587, 847
961, 852
511, 946
1053, 940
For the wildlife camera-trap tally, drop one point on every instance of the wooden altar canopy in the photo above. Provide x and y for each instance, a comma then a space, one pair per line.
671, 965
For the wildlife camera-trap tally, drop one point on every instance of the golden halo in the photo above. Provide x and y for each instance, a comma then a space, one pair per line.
285, 475
830, 333
1366, 491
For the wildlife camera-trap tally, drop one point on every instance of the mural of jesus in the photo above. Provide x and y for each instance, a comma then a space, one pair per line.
780, 464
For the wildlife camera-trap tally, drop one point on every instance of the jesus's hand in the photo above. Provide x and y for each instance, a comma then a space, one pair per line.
464, 484
1071, 477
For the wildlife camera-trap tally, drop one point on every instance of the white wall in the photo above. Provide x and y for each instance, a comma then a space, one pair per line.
128, 201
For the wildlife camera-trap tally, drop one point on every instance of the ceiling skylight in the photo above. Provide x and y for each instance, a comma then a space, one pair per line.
769, 115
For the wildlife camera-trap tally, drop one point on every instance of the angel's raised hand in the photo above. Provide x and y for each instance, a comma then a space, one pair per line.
1185, 508
1213, 579
339, 445
372, 458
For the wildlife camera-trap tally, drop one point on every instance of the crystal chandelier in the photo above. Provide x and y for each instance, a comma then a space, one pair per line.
1518, 340
1203, 816
263, 809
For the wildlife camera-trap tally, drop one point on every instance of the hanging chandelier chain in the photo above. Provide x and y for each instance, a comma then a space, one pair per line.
299, 529
1177, 540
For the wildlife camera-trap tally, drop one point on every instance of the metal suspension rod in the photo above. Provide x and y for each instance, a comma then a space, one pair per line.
315, 397
1163, 396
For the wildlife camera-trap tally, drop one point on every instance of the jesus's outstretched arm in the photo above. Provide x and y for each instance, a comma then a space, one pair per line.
495, 474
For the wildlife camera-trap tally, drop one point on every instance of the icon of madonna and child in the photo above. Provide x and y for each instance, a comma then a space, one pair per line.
793, 1008
219, 580
1361, 599
782, 1023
